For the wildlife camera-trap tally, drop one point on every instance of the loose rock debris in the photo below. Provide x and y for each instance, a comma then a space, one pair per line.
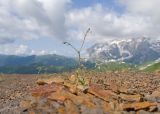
60, 96
127, 88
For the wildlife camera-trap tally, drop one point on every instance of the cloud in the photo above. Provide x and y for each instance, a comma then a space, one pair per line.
140, 19
6, 40
14, 49
11, 49
32, 19
147, 9
143, 7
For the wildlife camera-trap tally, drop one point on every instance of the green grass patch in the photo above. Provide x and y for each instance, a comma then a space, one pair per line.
153, 68
115, 66
1, 79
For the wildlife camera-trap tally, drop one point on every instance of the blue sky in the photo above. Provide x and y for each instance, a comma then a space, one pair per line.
40, 26
111, 4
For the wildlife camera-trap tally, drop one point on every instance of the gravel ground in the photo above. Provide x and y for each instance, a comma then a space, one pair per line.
15, 88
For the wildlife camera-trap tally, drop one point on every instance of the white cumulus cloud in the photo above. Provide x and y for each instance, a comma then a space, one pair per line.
108, 24
23, 50
34, 19
30, 19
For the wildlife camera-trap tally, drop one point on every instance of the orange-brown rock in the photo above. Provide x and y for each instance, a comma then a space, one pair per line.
86, 95
101, 93
137, 106
25, 104
50, 80
46, 89
130, 98
111, 106
107, 107
73, 78
156, 94
114, 87
72, 87
123, 90
85, 101
41, 82
66, 95
61, 110
152, 108
61, 95
58, 79
70, 107
82, 87
32, 112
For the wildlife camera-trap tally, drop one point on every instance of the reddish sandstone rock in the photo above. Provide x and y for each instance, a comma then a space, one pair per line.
72, 87
152, 108
70, 107
122, 90
32, 112
50, 80
114, 87
41, 82
61, 110
46, 89
85, 101
57, 96
137, 106
66, 95
130, 98
101, 93
107, 107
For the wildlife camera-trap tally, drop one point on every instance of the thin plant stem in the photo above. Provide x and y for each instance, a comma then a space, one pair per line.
78, 51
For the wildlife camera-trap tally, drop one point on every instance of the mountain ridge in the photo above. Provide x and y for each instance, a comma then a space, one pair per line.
50, 59
135, 51
52, 63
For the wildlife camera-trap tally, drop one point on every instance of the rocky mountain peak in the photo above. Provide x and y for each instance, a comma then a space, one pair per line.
135, 50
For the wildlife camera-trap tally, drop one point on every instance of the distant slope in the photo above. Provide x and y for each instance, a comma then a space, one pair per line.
13, 60
56, 60
153, 68
115, 66
13, 64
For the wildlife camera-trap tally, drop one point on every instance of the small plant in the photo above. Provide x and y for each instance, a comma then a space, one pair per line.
39, 69
1, 77
80, 71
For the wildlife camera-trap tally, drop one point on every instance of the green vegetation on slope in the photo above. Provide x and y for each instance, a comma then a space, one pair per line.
115, 66
153, 68
12, 64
